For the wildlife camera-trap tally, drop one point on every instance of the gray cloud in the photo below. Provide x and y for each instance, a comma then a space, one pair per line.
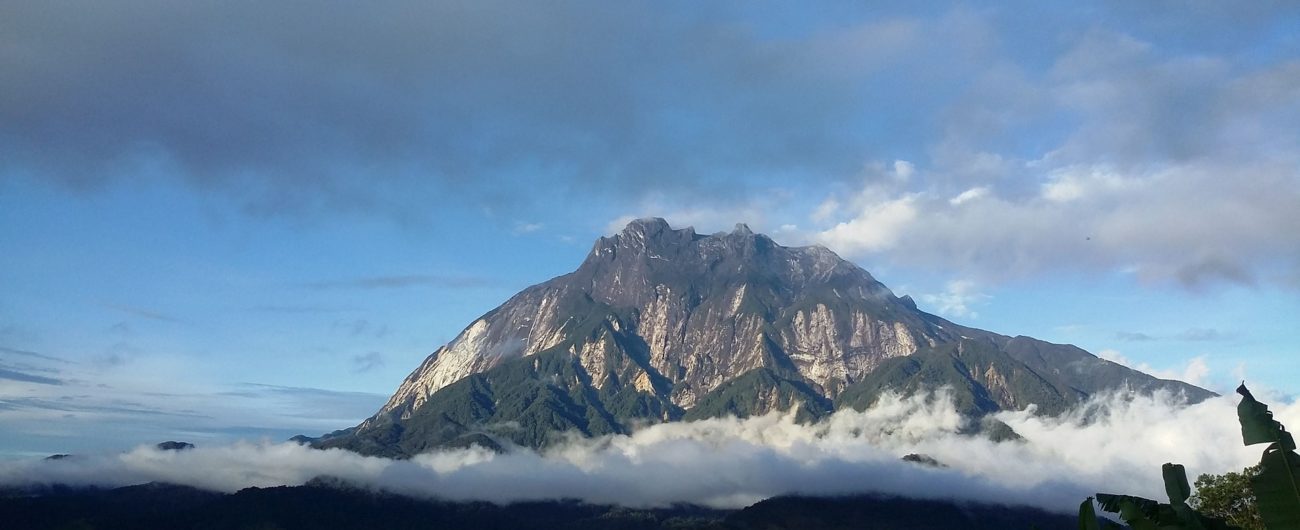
1131, 336
361, 328
15, 375
1197, 222
1214, 268
366, 362
1176, 166
87, 404
405, 105
402, 102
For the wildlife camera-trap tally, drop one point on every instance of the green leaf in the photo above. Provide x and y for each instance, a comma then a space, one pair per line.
1228, 497
1257, 423
1176, 483
1277, 490
1087, 516
1139, 513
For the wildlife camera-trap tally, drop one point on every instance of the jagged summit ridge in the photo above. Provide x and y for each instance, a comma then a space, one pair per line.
691, 298
660, 324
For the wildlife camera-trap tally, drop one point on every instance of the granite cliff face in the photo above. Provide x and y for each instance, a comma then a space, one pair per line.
660, 325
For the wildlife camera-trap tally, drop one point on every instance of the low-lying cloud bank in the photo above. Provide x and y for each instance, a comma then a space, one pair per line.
1114, 443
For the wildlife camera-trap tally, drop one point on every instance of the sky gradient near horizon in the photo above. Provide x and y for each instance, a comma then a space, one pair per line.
228, 220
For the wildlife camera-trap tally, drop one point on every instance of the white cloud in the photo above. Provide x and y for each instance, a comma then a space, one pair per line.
527, 228
1073, 183
904, 169
969, 195
876, 227
1114, 444
766, 213
1178, 168
957, 299
1195, 371
825, 210
1190, 224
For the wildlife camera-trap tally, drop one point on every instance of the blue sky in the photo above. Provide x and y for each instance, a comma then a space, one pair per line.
225, 220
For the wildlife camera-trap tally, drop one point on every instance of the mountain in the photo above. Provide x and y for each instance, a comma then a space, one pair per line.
659, 325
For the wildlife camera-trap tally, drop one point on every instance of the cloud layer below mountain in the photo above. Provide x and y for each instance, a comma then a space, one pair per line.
1111, 444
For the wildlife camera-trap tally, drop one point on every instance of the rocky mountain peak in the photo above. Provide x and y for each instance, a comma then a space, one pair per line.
649, 226
661, 324
651, 232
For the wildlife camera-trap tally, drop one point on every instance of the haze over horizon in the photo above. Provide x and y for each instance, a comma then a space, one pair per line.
234, 221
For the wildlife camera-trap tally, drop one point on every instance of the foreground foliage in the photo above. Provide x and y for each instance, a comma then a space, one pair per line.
1274, 485
323, 504
1228, 497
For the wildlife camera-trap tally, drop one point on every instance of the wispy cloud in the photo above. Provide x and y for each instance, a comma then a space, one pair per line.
316, 402
50, 408
527, 228
297, 309
403, 281
143, 313
958, 299
1189, 335
28, 353
361, 328
1204, 335
87, 404
1133, 336
366, 362
15, 375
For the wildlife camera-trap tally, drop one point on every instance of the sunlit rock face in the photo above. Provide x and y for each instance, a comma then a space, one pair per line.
659, 323
705, 308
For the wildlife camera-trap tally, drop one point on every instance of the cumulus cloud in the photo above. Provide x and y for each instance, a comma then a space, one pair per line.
1177, 168
1190, 225
1116, 443
878, 225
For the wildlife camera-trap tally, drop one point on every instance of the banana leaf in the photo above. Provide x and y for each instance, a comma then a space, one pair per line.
1277, 488
1176, 483
1146, 514
1088, 516
1257, 423
1139, 513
